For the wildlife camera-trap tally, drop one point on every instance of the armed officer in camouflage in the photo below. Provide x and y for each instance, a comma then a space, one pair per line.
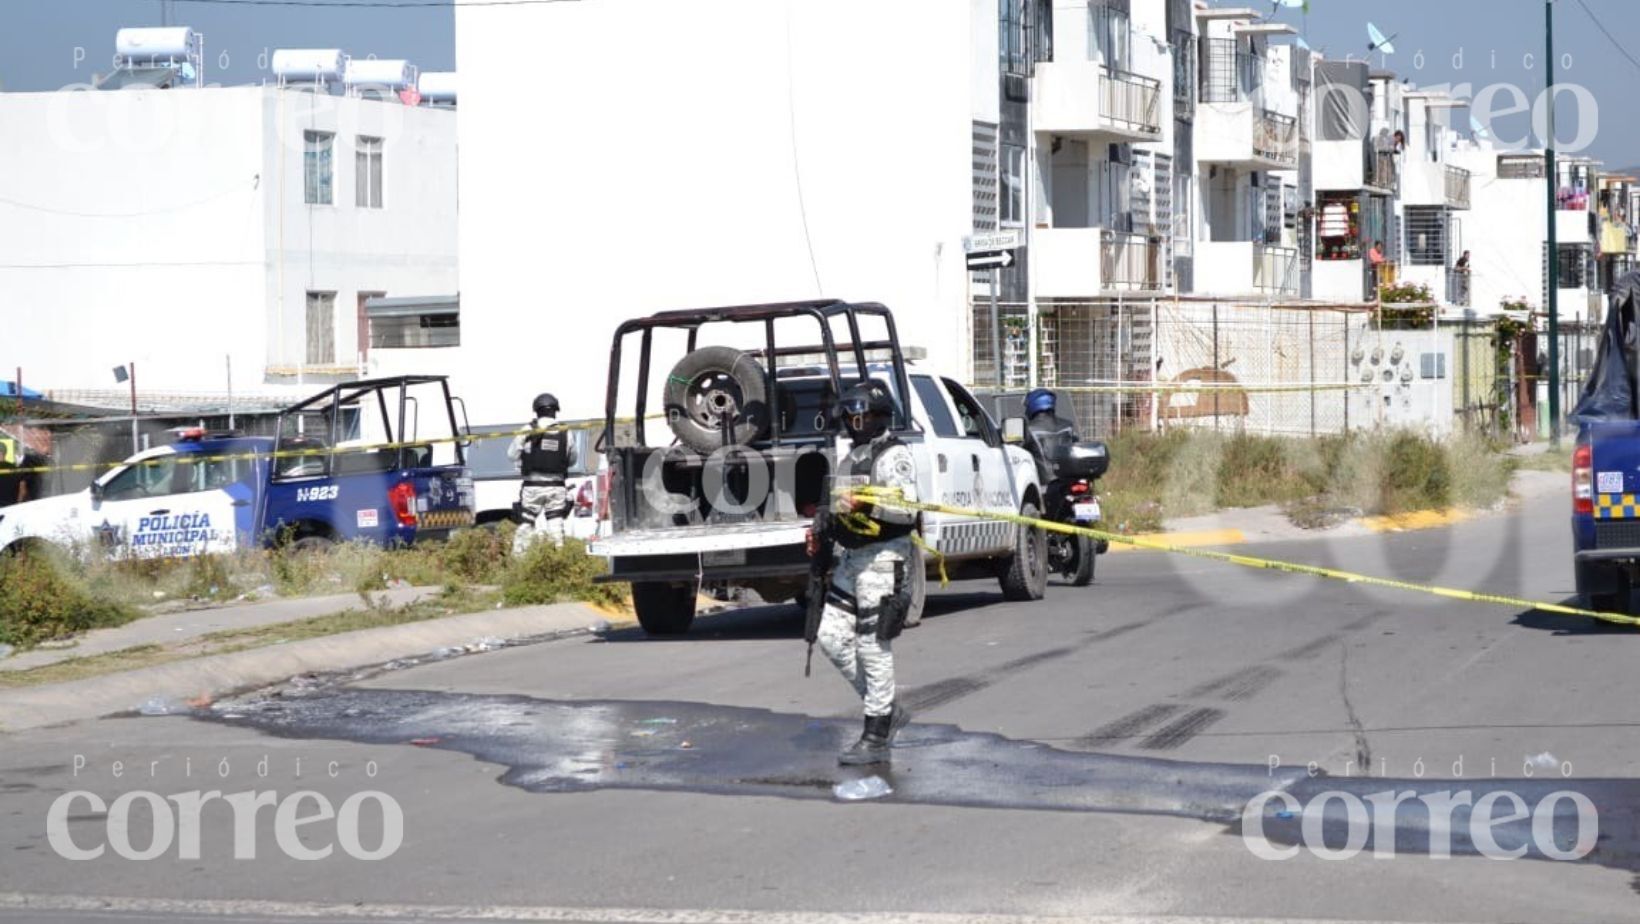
867, 550
543, 457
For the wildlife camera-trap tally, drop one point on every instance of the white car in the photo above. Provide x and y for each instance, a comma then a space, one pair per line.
496, 479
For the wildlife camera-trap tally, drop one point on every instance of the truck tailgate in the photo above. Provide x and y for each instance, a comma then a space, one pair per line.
674, 540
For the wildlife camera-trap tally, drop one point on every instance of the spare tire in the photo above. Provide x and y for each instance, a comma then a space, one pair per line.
714, 387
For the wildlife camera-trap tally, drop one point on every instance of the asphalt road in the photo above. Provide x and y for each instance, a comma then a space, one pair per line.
1088, 755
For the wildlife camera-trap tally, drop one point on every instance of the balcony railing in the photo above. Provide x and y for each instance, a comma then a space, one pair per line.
1130, 261
1232, 75
1131, 101
1457, 287
1383, 170
1275, 136
1275, 269
1457, 188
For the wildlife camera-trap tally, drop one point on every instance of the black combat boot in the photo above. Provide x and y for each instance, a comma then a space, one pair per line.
872, 748
899, 718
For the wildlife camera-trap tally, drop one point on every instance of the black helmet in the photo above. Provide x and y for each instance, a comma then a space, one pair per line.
867, 409
546, 405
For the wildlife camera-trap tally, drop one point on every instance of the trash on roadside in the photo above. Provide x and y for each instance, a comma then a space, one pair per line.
161, 705
444, 653
1544, 761
642, 733
663, 720
159, 595
599, 627
872, 787
202, 701
686, 745
425, 742
488, 643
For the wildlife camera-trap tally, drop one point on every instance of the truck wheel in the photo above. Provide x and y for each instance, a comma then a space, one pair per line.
312, 544
664, 609
710, 386
1025, 576
1084, 555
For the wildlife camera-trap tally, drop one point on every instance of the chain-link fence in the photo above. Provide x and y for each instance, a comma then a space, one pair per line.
1147, 363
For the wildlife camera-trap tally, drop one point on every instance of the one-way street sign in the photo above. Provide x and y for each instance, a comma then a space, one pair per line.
992, 259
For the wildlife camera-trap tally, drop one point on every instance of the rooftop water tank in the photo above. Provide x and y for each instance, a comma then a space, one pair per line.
149, 43
392, 73
437, 86
308, 65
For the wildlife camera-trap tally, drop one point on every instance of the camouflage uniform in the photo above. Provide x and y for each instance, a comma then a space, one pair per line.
544, 498
867, 574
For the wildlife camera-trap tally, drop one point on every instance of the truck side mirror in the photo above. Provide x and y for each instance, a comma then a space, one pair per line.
96, 492
1013, 430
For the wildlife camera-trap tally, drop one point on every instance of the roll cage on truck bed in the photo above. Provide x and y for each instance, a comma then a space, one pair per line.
700, 512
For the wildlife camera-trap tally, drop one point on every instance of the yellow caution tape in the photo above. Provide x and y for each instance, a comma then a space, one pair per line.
309, 453
892, 498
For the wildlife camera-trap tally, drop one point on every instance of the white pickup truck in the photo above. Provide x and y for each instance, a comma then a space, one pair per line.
728, 500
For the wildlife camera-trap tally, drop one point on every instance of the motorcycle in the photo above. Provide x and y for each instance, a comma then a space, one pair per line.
1072, 497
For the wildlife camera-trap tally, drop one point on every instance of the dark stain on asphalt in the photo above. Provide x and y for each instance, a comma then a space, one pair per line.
1238, 686
928, 696
1310, 649
1131, 725
584, 745
1182, 729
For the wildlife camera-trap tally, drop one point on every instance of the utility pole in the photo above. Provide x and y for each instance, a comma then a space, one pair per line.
1551, 182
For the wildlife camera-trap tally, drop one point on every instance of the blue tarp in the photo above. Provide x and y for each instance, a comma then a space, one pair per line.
1609, 393
9, 390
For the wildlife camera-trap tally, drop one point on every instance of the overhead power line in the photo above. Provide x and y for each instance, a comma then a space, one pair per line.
1608, 34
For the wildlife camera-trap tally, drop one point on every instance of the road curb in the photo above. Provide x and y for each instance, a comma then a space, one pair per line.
218, 675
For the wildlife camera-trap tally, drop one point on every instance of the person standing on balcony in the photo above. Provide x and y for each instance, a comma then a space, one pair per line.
1376, 255
1462, 265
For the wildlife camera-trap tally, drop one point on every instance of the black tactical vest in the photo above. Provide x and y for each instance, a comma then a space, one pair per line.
546, 458
883, 531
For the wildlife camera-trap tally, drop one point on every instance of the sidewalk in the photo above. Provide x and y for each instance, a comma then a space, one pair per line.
1269, 524
214, 676
172, 628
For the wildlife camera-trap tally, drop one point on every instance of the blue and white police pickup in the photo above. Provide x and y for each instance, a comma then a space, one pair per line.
211, 493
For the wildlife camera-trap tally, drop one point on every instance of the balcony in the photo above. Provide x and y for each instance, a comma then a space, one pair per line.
1085, 262
1245, 136
1457, 287
1246, 267
1085, 99
1382, 172
1457, 188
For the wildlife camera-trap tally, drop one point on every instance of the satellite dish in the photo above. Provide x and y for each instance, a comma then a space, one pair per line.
1378, 42
1479, 129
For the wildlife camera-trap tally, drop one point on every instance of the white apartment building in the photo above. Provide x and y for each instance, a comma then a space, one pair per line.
193, 230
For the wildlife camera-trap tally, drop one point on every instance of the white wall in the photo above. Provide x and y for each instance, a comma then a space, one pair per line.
406, 247
612, 167
131, 231
142, 226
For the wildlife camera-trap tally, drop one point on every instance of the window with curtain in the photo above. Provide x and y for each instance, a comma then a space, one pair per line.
367, 190
321, 328
318, 172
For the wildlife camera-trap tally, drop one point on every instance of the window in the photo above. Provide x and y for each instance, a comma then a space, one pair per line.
321, 328
1338, 226
933, 402
1426, 235
366, 335
1572, 267
1011, 36
150, 479
970, 416
317, 169
367, 191
1013, 184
